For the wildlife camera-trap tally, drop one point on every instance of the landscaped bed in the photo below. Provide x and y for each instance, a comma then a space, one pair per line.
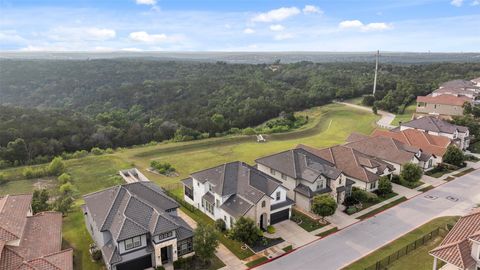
257, 262
264, 243
307, 223
357, 207
382, 208
328, 232
462, 173
193, 263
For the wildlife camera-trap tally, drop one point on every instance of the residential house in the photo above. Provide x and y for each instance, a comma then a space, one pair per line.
136, 226
459, 135
433, 144
391, 151
460, 249
449, 98
362, 169
31, 241
305, 175
236, 189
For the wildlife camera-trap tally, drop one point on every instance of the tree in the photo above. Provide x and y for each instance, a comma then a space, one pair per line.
374, 109
205, 242
63, 204
384, 185
324, 205
17, 150
454, 156
56, 166
40, 201
67, 189
411, 172
3, 179
244, 230
368, 100
220, 225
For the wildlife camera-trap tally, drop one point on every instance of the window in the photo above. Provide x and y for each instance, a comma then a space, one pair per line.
225, 218
284, 177
208, 207
188, 192
165, 235
218, 203
277, 196
133, 242
263, 204
185, 247
340, 181
231, 221
272, 171
210, 187
372, 185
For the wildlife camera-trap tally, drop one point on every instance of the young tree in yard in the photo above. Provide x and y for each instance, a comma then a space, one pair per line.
64, 178
374, 109
384, 185
411, 173
40, 201
56, 166
245, 231
66, 189
205, 242
63, 204
324, 205
454, 156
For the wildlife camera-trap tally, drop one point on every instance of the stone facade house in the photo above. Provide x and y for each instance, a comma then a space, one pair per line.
236, 189
136, 226
305, 175
31, 241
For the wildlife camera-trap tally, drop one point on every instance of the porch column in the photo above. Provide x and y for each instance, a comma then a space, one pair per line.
434, 263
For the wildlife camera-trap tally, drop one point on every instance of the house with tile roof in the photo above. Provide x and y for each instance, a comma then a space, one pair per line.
364, 170
432, 125
460, 249
305, 175
391, 151
136, 226
449, 98
31, 241
433, 144
236, 189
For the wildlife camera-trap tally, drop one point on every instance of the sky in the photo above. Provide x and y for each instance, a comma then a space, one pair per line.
240, 25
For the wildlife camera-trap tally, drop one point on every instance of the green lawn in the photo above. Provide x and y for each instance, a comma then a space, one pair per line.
462, 173
328, 232
418, 259
288, 248
306, 223
384, 207
356, 101
257, 262
406, 115
401, 242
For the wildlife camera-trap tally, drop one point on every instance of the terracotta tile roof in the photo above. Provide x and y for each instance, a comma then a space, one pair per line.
432, 144
444, 99
13, 213
456, 247
383, 148
351, 162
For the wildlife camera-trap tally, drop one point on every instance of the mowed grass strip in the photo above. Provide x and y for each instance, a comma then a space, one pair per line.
257, 262
401, 242
382, 208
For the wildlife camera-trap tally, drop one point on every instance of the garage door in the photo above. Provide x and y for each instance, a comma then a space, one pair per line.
279, 216
137, 264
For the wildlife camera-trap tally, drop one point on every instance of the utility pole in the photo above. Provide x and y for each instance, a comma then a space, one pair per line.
376, 72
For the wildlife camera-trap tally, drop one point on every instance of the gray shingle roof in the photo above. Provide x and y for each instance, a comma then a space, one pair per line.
300, 164
238, 178
188, 182
236, 206
306, 191
209, 197
131, 210
430, 123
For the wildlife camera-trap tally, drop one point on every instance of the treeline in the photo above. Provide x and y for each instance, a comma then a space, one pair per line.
51, 107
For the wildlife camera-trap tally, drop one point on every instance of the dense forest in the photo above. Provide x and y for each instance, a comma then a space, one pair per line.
51, 106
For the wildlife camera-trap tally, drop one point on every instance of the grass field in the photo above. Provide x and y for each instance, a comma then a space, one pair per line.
406, 116
328, 125
401, 242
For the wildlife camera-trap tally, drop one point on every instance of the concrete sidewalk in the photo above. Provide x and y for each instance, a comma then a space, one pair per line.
404, 191
376, 206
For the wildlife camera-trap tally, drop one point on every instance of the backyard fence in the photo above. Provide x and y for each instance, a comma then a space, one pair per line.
382, 264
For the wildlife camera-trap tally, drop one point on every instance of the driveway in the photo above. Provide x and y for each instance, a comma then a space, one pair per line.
292, 233
352, 243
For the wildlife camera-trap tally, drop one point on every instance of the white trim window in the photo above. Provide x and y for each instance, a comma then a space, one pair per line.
133, 242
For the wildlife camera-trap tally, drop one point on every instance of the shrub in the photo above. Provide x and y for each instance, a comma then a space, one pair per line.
359, 195
384, 185
271, 229
349, 201
97, 255
249, 131
351, 210
368, 100
111, 151
234, 130
160, 268
3, 179
97, 151
411, 173
454, 156
64, 178
220, 225
162, 167
396, 179
31, 173
56, 166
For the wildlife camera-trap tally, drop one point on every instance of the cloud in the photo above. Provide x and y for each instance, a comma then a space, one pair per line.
276, 15
283, 36
356, 24
457, 3
11, 37
277, 27
81, 34
309, 9
146, 2
145, 37
475, 3
248, 31
131, 49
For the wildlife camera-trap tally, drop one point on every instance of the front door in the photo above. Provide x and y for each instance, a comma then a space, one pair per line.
164, 254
